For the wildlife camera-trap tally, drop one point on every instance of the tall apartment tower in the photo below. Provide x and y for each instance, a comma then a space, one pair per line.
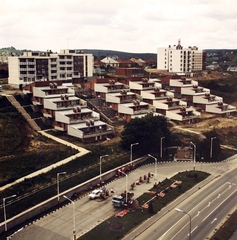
180, 60
35, 66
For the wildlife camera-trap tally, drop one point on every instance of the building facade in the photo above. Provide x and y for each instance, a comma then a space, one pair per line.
67, 113
180, 60
63, 66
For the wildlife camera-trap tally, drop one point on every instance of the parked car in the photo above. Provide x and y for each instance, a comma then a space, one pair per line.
95, 194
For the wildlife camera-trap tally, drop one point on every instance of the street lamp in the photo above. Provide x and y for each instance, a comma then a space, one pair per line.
61, 173
74, 217
155, 166
100, 164
131, 151
4, 210
161, 147
194, 155
126, 184
190, 220
211, 147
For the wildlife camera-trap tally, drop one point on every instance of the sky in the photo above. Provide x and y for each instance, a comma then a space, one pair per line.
136, 26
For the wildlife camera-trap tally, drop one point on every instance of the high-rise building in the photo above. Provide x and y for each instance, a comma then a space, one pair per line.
35, 66
180, 60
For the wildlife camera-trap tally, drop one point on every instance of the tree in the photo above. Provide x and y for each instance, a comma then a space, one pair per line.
147, 131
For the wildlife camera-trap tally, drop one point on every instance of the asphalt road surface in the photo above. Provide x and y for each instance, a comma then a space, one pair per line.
198, 215
89, 213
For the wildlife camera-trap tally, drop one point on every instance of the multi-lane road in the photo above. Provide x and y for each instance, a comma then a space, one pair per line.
207, 206
194, 217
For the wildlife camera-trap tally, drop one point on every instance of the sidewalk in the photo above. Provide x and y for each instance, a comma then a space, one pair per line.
82, 151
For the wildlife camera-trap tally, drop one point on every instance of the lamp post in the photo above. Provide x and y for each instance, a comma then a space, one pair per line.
194, 155
100, 164
74, 217
58, 174
161, 147
190, 220
131, 151
4, 210
126, 184
211, 147
155, 165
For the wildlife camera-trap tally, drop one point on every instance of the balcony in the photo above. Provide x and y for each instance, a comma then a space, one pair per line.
98, 132
79, 120
141, 111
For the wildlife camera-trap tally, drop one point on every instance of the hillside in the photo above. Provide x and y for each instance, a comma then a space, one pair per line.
96, 52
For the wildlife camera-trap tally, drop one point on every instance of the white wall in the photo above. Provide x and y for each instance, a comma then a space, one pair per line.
13, 69
74, 132
112, 99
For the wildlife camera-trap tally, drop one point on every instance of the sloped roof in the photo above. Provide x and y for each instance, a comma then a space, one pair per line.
109, 60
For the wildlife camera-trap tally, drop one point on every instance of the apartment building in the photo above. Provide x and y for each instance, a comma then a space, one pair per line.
67, 65
177, 59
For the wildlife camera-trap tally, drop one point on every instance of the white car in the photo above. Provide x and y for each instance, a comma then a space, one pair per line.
95, 194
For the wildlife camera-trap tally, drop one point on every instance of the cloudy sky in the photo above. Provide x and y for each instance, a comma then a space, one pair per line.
123, 25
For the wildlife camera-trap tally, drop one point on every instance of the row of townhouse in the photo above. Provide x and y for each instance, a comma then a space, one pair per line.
141, 97
175, 97
66, 112
197, 96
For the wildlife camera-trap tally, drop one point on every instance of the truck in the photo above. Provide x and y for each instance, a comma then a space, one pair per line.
120, 200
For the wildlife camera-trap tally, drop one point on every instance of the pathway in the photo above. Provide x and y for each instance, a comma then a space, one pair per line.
82, 151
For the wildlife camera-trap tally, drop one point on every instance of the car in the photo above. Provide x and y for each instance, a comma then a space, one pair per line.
95, 194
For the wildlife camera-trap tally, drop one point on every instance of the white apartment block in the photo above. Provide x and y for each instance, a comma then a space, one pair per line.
34, 66
177, 59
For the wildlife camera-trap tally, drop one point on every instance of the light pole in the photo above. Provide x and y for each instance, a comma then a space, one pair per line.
100, 164
155, 165
211, 147
131, 151
4, 210
126, 184
58, 174
74, 217
190, 220
194, 155
161, 147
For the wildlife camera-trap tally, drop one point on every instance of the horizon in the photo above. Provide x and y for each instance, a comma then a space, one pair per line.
134, 26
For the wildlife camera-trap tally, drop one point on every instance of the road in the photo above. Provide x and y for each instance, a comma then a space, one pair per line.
89, 213
207, 208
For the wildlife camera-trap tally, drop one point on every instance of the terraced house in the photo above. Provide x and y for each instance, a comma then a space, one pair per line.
66, 112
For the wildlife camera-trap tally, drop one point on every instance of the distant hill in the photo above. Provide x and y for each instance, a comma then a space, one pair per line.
96, 52
224, 57
123, 55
